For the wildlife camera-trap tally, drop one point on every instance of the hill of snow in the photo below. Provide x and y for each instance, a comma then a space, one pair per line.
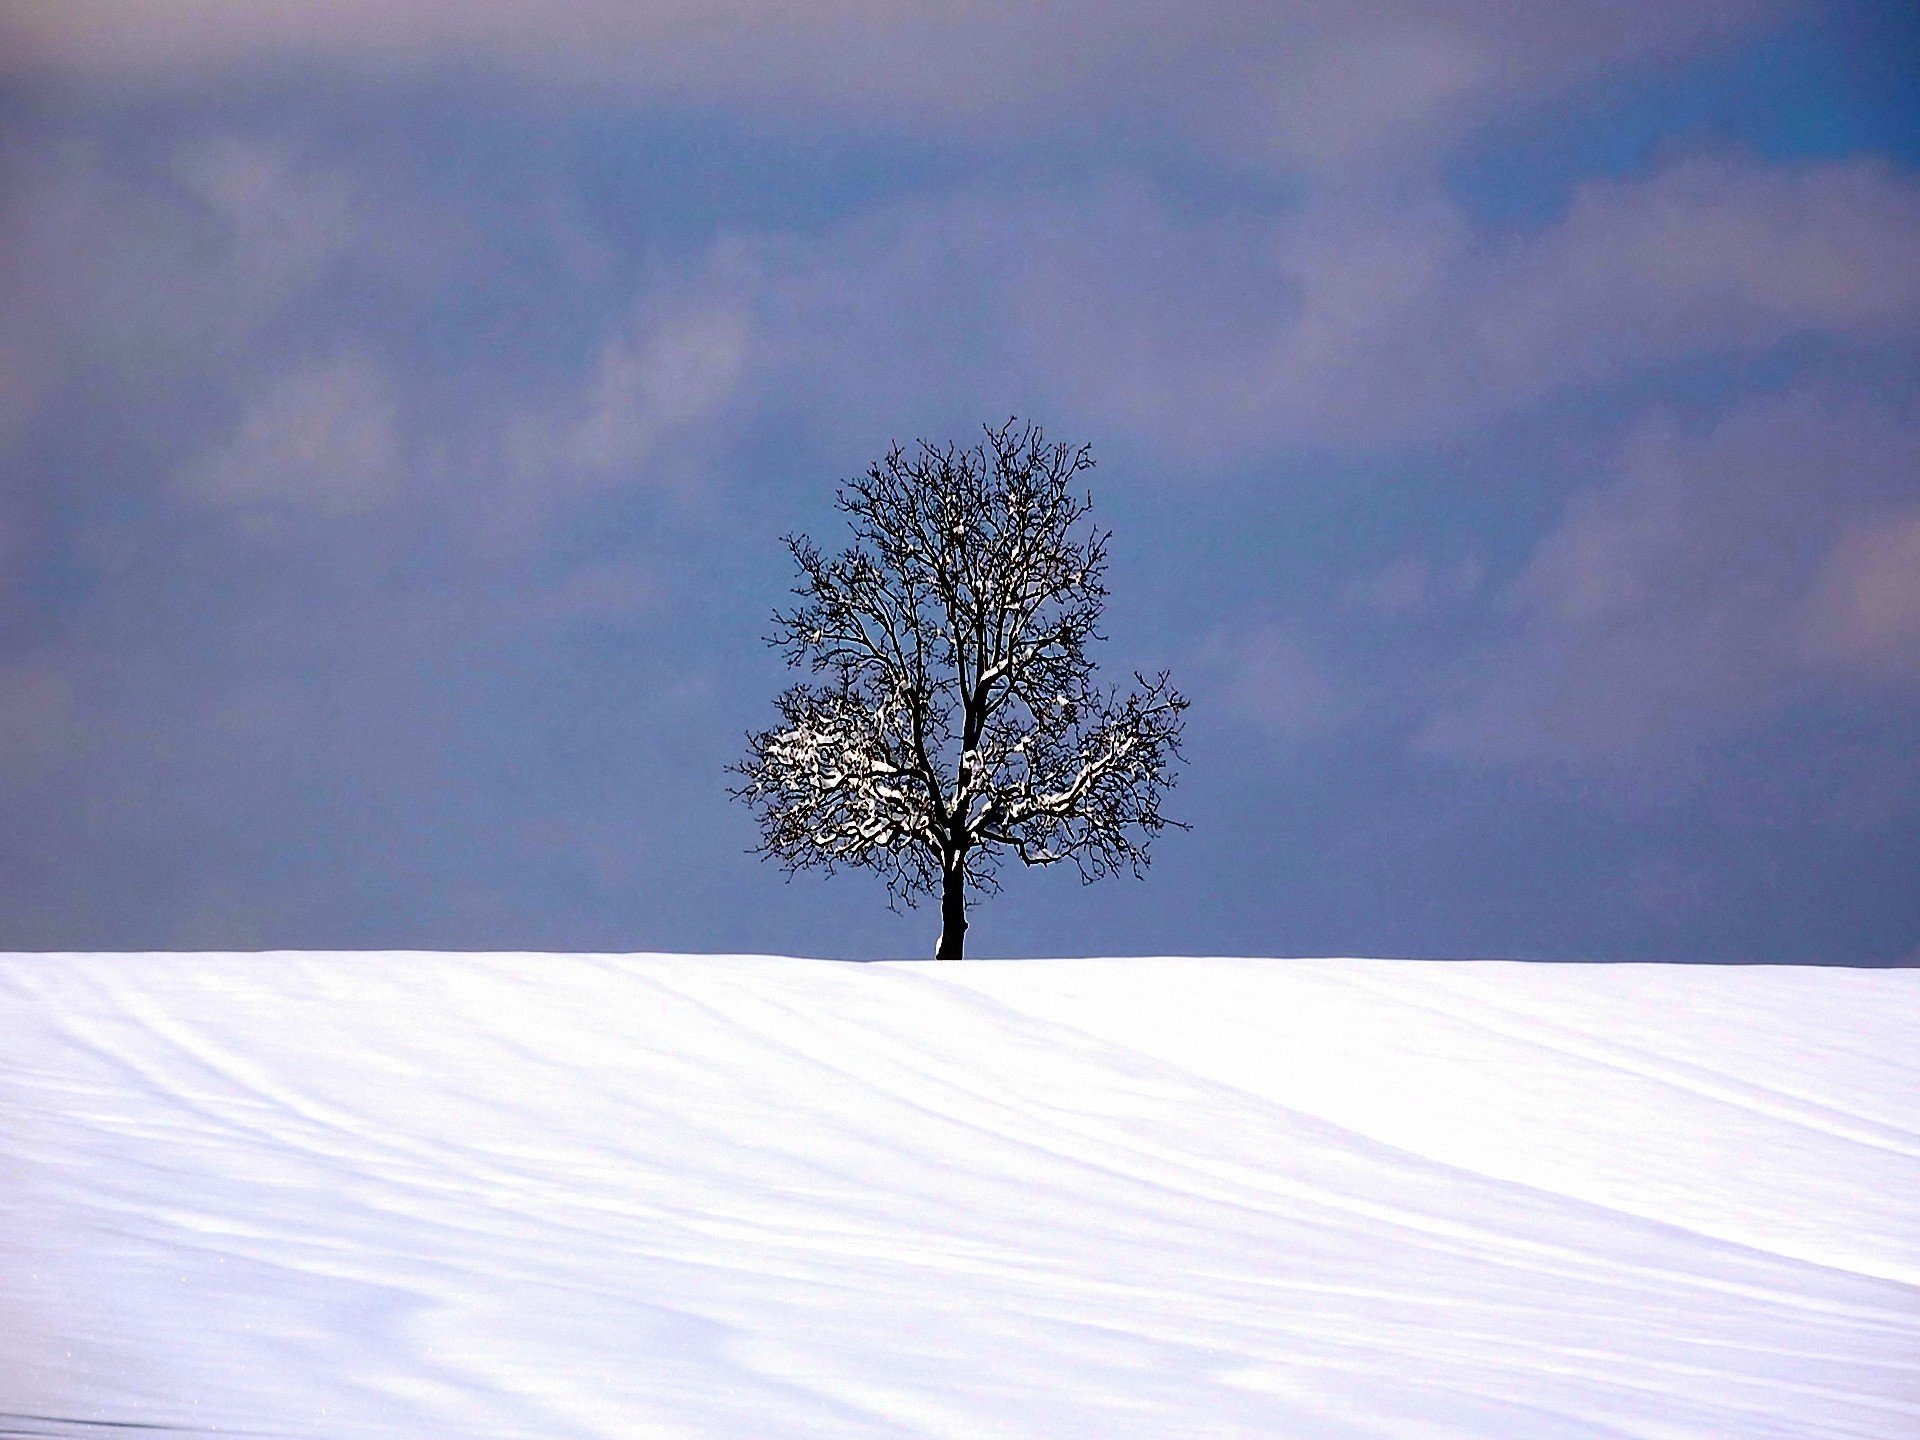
427, 1196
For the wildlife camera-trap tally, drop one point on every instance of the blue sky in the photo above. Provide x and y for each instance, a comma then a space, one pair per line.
1508, 424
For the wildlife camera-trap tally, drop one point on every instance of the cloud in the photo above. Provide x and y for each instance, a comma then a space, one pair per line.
146, 274
1355, 319
329, 437
257, 325
281, 223
1310, 81
1342, 86
1413, 586
656, 377
1862, 610
1264, 675
1710, 253
1719, 577
1361, 320
647, 409
324, 438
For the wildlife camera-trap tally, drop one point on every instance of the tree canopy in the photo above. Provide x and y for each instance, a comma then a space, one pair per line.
954, 716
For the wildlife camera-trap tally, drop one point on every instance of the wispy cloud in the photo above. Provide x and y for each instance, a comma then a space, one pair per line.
1720, 575
1309, 81
673, 365
1861, 614
324, 437
1262, 673
1370, 320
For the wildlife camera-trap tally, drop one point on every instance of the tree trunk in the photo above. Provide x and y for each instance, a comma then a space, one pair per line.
953, 915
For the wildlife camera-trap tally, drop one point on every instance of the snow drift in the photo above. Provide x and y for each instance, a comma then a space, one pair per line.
569, 1196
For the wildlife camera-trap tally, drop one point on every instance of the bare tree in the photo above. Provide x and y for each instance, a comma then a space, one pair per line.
954, 717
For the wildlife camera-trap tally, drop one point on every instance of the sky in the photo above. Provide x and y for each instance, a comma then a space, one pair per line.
1508, 419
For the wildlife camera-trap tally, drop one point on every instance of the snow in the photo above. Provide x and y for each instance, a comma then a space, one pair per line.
482, 1196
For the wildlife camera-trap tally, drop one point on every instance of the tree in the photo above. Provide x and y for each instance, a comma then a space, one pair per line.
954, 717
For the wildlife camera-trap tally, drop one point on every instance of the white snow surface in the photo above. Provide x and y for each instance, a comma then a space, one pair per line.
472, 1196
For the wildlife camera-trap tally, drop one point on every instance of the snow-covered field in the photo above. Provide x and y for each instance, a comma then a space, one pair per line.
451, 1196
